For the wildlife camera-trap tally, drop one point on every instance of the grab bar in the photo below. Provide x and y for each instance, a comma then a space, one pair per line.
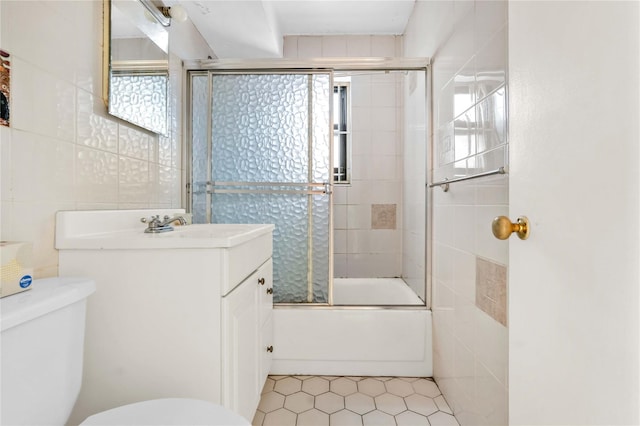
445, 183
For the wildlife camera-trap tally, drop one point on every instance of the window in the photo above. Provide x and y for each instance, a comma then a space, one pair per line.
341, 132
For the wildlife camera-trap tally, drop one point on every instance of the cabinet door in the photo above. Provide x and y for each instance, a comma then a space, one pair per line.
265, 279
241, 360
266, 350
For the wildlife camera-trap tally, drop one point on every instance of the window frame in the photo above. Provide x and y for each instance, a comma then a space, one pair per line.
347, 132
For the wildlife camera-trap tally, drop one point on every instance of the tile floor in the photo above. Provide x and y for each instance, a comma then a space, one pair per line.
351, 401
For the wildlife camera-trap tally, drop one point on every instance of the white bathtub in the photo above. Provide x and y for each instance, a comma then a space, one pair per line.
362, 340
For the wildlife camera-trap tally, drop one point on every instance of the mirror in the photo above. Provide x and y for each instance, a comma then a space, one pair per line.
138, 58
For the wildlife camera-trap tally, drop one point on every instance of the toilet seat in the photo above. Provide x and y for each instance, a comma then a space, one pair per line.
169, 411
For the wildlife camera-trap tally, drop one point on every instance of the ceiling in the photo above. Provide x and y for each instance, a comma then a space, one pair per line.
255, 28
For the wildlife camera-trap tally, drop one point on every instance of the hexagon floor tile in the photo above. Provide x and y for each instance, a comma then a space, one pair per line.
351, 401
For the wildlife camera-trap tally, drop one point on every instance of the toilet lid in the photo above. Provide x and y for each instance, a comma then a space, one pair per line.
170, 411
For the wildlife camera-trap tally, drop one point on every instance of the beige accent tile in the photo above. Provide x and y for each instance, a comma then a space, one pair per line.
491, 289
288, 385
421, 404
383, 216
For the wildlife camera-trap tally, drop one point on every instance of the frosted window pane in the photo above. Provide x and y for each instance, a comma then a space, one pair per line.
200, 156
140, 99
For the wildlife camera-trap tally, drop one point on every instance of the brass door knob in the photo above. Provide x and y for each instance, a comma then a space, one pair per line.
270, 290
269, 348
261, 281
502, 227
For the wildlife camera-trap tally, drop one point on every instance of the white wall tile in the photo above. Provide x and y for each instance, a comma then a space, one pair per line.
334, 46
359, 216
96, 176
384, 46
290, 47
309, 47
467, 42
340, 241
36, 93
95, 128
339, 216
359, 46
491, 65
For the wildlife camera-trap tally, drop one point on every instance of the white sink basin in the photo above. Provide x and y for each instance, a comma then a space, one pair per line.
100, 232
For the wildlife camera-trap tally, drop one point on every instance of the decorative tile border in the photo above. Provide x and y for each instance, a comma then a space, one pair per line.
491, 289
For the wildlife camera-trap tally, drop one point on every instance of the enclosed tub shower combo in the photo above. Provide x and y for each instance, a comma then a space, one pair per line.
264, 142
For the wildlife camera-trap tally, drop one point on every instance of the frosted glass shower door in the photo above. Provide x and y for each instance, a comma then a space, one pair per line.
269, 162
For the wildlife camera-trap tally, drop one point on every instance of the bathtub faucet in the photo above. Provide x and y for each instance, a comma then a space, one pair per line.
155, 225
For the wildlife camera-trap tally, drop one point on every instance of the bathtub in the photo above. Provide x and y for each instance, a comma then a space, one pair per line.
356, 336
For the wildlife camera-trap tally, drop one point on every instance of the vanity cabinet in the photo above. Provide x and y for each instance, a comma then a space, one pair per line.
247, 340
175, 315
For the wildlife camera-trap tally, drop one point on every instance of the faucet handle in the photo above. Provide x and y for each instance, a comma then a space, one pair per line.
149, 219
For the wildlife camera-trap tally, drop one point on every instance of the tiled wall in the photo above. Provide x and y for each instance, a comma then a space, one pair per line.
63, 152
363, 246
467, 40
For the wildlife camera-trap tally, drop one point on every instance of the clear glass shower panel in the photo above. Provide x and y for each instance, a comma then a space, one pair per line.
270, 163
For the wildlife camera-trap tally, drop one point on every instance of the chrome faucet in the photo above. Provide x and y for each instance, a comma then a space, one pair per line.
155, 225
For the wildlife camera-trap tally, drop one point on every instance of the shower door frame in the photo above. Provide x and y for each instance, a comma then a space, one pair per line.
323, 65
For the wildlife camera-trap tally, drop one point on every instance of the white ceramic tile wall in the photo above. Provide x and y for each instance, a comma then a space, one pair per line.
467, 40
63, 152
377, 158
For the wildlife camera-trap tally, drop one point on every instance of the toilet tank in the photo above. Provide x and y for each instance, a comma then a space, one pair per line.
42, 346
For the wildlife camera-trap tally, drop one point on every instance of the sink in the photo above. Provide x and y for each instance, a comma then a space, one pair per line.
122, 229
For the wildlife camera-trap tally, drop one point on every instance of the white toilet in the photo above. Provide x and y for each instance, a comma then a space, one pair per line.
42, 343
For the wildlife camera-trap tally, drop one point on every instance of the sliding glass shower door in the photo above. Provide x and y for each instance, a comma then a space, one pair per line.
261, 153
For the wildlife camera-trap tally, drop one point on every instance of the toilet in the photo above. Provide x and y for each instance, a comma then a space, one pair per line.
41, 354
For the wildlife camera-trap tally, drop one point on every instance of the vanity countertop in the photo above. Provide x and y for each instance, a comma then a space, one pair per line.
189, 236
75, 232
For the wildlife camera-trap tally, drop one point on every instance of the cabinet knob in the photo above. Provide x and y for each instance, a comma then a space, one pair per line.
270, 290
261, 281
269, 348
